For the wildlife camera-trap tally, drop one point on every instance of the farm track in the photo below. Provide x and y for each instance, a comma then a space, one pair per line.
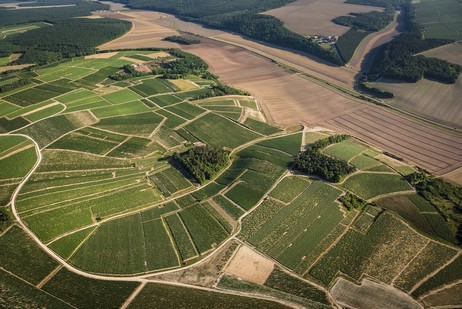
140, 278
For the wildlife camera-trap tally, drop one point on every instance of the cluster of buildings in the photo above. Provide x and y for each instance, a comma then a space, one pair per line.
325, 39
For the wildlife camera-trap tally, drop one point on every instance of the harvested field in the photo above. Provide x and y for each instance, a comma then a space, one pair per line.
436, 150
314, 17
431, 99
144, 32
158, 55
101, 56
371, 295
250, 266
184, 85
14, 67
449, 52
455, 176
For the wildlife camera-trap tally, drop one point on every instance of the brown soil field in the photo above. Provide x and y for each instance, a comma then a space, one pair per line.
455, 176
14, 67
144, 32
101, 56
433, 100
451, 52
311, 17
250, 266
450, 297
371, 295
431, 148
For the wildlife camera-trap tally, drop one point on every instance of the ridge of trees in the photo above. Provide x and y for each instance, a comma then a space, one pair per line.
312, 161
181, 40
203, 162
370, 21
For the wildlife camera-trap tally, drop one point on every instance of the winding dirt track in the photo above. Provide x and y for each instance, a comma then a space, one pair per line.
289, 98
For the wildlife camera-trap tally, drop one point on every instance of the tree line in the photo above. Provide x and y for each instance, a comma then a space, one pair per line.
180, 40
370, 21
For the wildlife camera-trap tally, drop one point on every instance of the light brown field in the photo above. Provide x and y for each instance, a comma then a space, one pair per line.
184, 85
157, 55
455, 176
451, 52
371, 295
101, 56
14, 67
144, 32
311, 17
431, 99
250, 266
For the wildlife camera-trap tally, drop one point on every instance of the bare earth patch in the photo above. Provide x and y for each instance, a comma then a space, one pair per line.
102, 55
250, 266
455, 176
184, 85
14, 67
371, 295
311, 17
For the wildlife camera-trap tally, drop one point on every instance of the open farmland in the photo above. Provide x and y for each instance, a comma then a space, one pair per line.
433, 100
441, 19
314, 17
450, 52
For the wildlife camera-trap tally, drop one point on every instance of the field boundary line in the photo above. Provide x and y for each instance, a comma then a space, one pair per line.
426, 278
132, 296
7, 229
49, 276
409, 263
172, 241
444, 287
116, 146
30, 284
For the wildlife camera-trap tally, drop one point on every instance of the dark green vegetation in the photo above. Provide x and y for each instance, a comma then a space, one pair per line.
181, 40
371, 21
13, 85
65, 38
351, 201
241, 17
447, 199
184, 64
396, 59
348, 42
312, 161
203, 162
82, 8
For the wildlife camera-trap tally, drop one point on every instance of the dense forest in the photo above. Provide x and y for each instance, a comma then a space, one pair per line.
313, 162
396, 59
371, 21
82, 8
240, 16
203, 162
65, 38
446, 197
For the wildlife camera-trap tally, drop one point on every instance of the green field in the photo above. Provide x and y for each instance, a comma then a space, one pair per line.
441, 19
344, 150
141, 124
153, 86
18, 164
183, 241
289, 188
218, 131
78, 142
370, 185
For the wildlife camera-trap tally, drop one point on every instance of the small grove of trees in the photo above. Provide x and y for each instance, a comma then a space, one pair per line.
181, 40
203, 162
184, 64
446, 197
14, 85
127, 73
312, 161
351, 201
